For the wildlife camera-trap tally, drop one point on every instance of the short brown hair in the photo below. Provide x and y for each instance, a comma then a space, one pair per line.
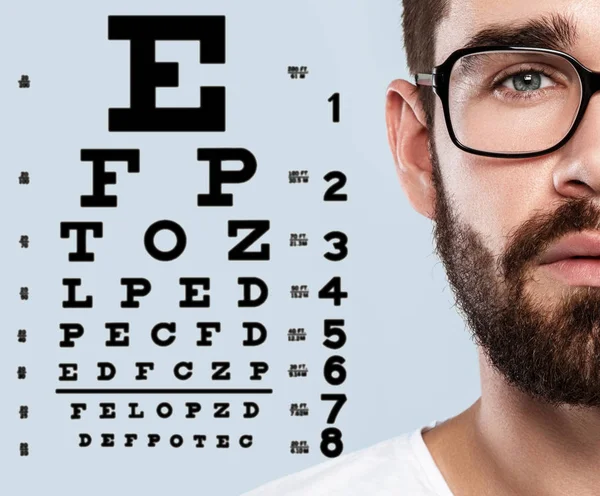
420, 19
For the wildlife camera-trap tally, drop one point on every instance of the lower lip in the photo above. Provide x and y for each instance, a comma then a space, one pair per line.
576, 271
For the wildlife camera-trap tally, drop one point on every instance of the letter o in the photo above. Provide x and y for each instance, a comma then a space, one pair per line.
173, 253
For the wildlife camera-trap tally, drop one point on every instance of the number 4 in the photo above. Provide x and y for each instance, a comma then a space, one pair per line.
333, 290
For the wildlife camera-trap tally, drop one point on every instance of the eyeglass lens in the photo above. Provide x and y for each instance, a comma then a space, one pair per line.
513, 102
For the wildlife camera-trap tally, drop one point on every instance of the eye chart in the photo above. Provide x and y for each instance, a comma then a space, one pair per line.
204, 243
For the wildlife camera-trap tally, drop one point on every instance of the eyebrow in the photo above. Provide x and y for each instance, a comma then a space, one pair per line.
555, 31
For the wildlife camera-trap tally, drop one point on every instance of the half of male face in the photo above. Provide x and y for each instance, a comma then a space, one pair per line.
549, 352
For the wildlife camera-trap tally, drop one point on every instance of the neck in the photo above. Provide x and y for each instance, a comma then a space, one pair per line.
509, 443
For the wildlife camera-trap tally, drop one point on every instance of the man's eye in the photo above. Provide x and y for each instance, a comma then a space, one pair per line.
527, 81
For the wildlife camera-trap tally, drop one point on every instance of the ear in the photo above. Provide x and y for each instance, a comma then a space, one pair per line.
408, 138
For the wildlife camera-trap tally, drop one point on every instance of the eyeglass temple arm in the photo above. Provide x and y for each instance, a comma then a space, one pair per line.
423, 79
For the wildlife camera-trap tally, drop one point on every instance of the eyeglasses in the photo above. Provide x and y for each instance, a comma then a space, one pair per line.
511, 102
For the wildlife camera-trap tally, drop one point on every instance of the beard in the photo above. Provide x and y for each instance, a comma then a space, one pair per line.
549, 350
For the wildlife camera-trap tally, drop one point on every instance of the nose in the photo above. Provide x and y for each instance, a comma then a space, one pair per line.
577, 172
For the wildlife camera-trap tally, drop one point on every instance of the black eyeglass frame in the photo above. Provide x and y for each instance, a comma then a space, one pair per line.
439, 80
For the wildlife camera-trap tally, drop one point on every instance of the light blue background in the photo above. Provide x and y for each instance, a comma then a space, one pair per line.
408, 356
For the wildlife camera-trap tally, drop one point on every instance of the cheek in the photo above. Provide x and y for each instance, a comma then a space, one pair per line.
495, 196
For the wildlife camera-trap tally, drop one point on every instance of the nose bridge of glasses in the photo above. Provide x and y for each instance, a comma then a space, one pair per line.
593, 85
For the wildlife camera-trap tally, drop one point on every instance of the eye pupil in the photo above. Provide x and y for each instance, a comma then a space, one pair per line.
527, 81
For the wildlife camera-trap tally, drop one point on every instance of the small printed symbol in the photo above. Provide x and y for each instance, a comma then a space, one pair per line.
298, 410
24, 82
299, 447
298, 370
24, 412
21, 372
296, 72
24, 241
298, 239
299, 291
297, 334
24, 177
298, 176
22, 335
24, 293
24, 449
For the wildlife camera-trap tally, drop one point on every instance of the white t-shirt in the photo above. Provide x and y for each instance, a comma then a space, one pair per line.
401, 466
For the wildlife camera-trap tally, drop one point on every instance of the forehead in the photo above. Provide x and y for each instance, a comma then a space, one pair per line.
467, 17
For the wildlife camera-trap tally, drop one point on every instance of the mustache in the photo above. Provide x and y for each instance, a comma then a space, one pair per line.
534, 235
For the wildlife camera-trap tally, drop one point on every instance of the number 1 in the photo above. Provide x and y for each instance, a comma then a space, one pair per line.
335, 98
